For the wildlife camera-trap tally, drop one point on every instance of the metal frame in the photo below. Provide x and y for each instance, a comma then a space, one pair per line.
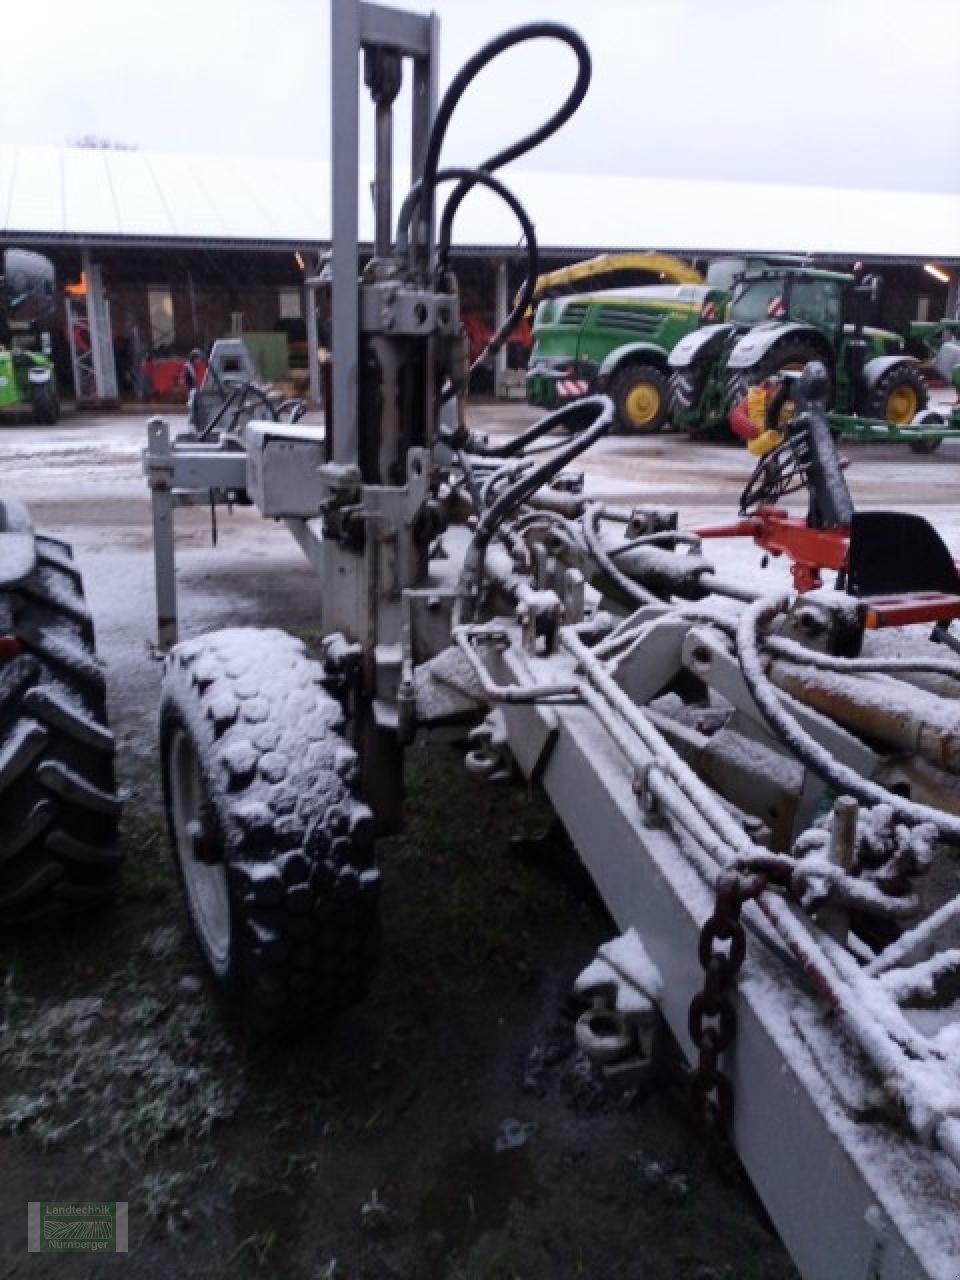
860, 1187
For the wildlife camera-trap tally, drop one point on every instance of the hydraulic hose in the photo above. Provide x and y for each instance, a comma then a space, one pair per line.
481, 177
455, 91
485, 180
843, 779
794, 652
527, 484
634, 592
423, 193
566, 416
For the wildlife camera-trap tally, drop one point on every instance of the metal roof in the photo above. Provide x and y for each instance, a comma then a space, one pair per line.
50, 194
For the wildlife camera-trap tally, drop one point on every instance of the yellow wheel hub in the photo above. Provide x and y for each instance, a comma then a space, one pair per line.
902, 405
642, 403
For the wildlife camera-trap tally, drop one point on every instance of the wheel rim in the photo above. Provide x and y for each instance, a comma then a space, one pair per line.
205, 883
902, 404
642, 404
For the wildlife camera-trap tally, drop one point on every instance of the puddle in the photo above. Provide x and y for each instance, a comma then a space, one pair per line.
472, 1194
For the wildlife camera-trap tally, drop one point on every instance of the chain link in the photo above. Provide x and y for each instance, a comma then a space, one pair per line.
712, 1020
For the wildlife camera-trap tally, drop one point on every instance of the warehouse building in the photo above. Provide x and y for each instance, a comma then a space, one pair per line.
157, 254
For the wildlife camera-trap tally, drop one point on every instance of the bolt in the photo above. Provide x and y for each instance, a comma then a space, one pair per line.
843, 836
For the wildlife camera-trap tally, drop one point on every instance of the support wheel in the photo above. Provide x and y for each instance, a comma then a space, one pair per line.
641, 397
58, 796
273, 848
898, 395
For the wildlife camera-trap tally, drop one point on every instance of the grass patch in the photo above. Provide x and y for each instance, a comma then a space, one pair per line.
127, 1070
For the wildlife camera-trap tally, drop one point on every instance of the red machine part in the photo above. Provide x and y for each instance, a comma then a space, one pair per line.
163, 377
812, 550
741, 423
776, 531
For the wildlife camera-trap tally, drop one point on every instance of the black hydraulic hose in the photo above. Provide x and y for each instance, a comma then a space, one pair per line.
527, 484
566, 415
637, 595
485, 180
458, 86
494, 184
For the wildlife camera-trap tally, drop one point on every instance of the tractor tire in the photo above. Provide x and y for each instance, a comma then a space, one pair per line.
641, 397
927, 418
790, 353
58, 793
273, 849
46, 405
897, 396
685, 389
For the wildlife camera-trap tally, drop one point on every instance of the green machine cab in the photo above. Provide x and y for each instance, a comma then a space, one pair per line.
28, 383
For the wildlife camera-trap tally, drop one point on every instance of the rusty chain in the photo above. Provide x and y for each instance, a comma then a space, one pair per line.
712, 1020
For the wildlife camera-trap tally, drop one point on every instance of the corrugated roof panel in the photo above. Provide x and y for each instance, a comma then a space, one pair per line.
571, 209
36, 203
190, 209
232, 185
8, 162
122, 194
137, 197
299, 195
88, 203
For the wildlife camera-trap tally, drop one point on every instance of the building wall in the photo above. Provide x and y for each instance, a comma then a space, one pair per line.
215, 292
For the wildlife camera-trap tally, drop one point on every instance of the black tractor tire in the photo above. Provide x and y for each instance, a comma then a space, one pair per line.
273, 848
790, 353
685, 388
641, 397
927, 418
46, 405
898, 395
58, 795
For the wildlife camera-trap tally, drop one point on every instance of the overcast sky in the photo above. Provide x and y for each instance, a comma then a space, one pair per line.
825, 92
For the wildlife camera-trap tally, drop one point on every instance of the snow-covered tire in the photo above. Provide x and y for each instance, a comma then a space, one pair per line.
58, 796
273, 847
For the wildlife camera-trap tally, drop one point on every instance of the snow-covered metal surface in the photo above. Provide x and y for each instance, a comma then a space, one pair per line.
118, 195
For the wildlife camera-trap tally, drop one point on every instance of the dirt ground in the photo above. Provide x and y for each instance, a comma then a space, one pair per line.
444, 1130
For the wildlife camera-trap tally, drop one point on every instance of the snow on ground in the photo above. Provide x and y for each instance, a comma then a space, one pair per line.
83, 481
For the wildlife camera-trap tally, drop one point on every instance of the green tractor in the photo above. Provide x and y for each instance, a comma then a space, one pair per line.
28, 383
780, 318
599, 327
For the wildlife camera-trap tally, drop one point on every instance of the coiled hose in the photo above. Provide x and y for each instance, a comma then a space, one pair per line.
422, 194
